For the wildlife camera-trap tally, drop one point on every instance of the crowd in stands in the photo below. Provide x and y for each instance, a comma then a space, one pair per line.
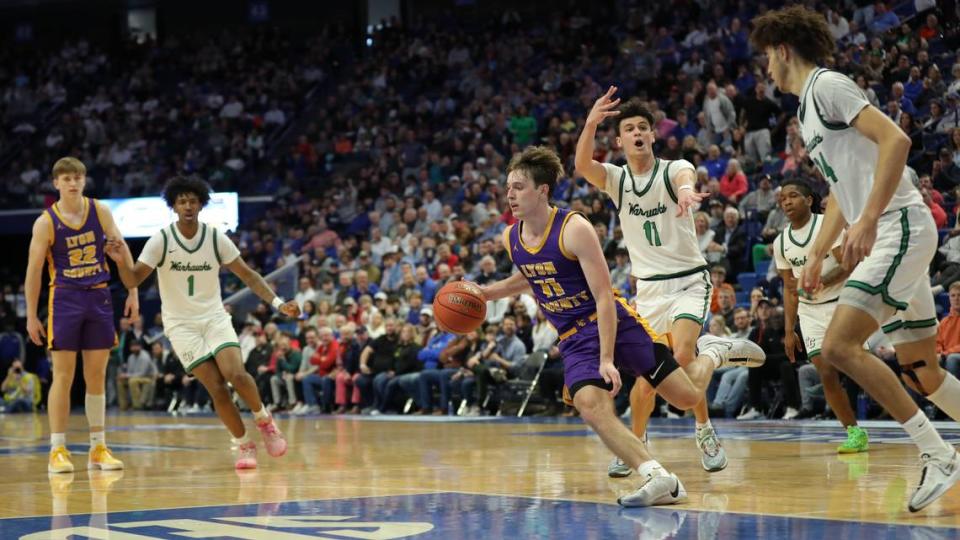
394, 186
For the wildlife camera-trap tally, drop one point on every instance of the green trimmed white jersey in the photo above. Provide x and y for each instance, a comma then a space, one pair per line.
661, 245
847, 159
790, 251
188, 271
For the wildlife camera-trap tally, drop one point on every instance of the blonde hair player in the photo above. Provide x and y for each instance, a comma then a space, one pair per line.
188, 256
889, 243
654, 199
71, 236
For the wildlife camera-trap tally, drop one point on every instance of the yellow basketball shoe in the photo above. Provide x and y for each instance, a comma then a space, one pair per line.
60, 460
101, 458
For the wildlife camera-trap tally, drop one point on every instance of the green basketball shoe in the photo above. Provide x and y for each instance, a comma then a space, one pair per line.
856, 441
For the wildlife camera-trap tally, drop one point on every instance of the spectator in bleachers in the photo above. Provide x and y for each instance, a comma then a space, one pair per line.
309, 342
436, 373
322, 364
758, 113
948, 334
169, 378
258, 362
305, 292
721, 117
353, 340
733, 183
769, 335
376, 361
732, 236
20, 389
946, 173
284, 364
136, 379
761, 200
406, 370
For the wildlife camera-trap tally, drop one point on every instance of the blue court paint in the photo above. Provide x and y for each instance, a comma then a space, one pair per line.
446, 516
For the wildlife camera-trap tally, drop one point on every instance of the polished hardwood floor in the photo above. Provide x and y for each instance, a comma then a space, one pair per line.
780, 475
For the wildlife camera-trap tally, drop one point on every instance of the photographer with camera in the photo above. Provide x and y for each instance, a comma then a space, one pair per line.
18, 389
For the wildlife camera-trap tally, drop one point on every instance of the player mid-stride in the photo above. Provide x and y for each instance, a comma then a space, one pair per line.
187, 256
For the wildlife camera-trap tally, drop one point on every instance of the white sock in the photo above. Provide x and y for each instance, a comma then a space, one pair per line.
94, 405
926, 437
58, 439
97, 437
650, 468
261, 415
714, 357
704, 425
936, 289
243, 439
947, 397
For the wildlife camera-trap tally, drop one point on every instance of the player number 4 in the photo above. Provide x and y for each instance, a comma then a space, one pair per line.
825, 168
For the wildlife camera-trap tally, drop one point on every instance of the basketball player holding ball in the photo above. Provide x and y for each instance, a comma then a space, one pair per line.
562, 265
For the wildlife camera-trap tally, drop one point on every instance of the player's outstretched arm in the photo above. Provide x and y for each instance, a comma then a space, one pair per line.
259, 286
39, 244
131, 274
581, 240
511, 286
687, 197
131, 308
590, 168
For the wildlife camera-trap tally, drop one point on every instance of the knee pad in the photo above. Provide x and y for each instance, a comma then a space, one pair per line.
909, 370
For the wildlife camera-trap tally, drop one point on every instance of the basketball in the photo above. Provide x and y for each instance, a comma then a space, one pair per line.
459, 307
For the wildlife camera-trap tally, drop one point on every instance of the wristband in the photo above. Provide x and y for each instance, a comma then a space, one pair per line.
277, 302
683, 187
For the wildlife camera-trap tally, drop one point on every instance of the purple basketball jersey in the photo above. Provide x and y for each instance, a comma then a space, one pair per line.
76, 258
562, 291
555, 275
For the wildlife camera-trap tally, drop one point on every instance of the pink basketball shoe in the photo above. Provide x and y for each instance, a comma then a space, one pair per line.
272, 438
247, 456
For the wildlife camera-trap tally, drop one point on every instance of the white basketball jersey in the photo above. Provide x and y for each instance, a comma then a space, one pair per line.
790, 251
661, 245
188, 271
847, 159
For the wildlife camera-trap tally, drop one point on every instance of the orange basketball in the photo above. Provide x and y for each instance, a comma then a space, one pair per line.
459, 307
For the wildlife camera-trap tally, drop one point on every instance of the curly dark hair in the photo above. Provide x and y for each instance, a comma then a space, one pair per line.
802, 29
179, 185
633, 108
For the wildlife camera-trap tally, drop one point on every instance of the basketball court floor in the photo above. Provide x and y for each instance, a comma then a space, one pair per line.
415, 477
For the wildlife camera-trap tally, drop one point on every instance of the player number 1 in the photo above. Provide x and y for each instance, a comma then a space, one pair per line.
653, 236
190, 286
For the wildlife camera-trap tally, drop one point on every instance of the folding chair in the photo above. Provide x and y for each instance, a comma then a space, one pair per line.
525, 384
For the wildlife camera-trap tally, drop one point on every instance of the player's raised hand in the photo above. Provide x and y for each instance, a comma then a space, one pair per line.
688, 199
291, 309
604, 107
611, 375
35, 331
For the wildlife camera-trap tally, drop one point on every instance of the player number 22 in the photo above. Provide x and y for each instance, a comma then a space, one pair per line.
83, 256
